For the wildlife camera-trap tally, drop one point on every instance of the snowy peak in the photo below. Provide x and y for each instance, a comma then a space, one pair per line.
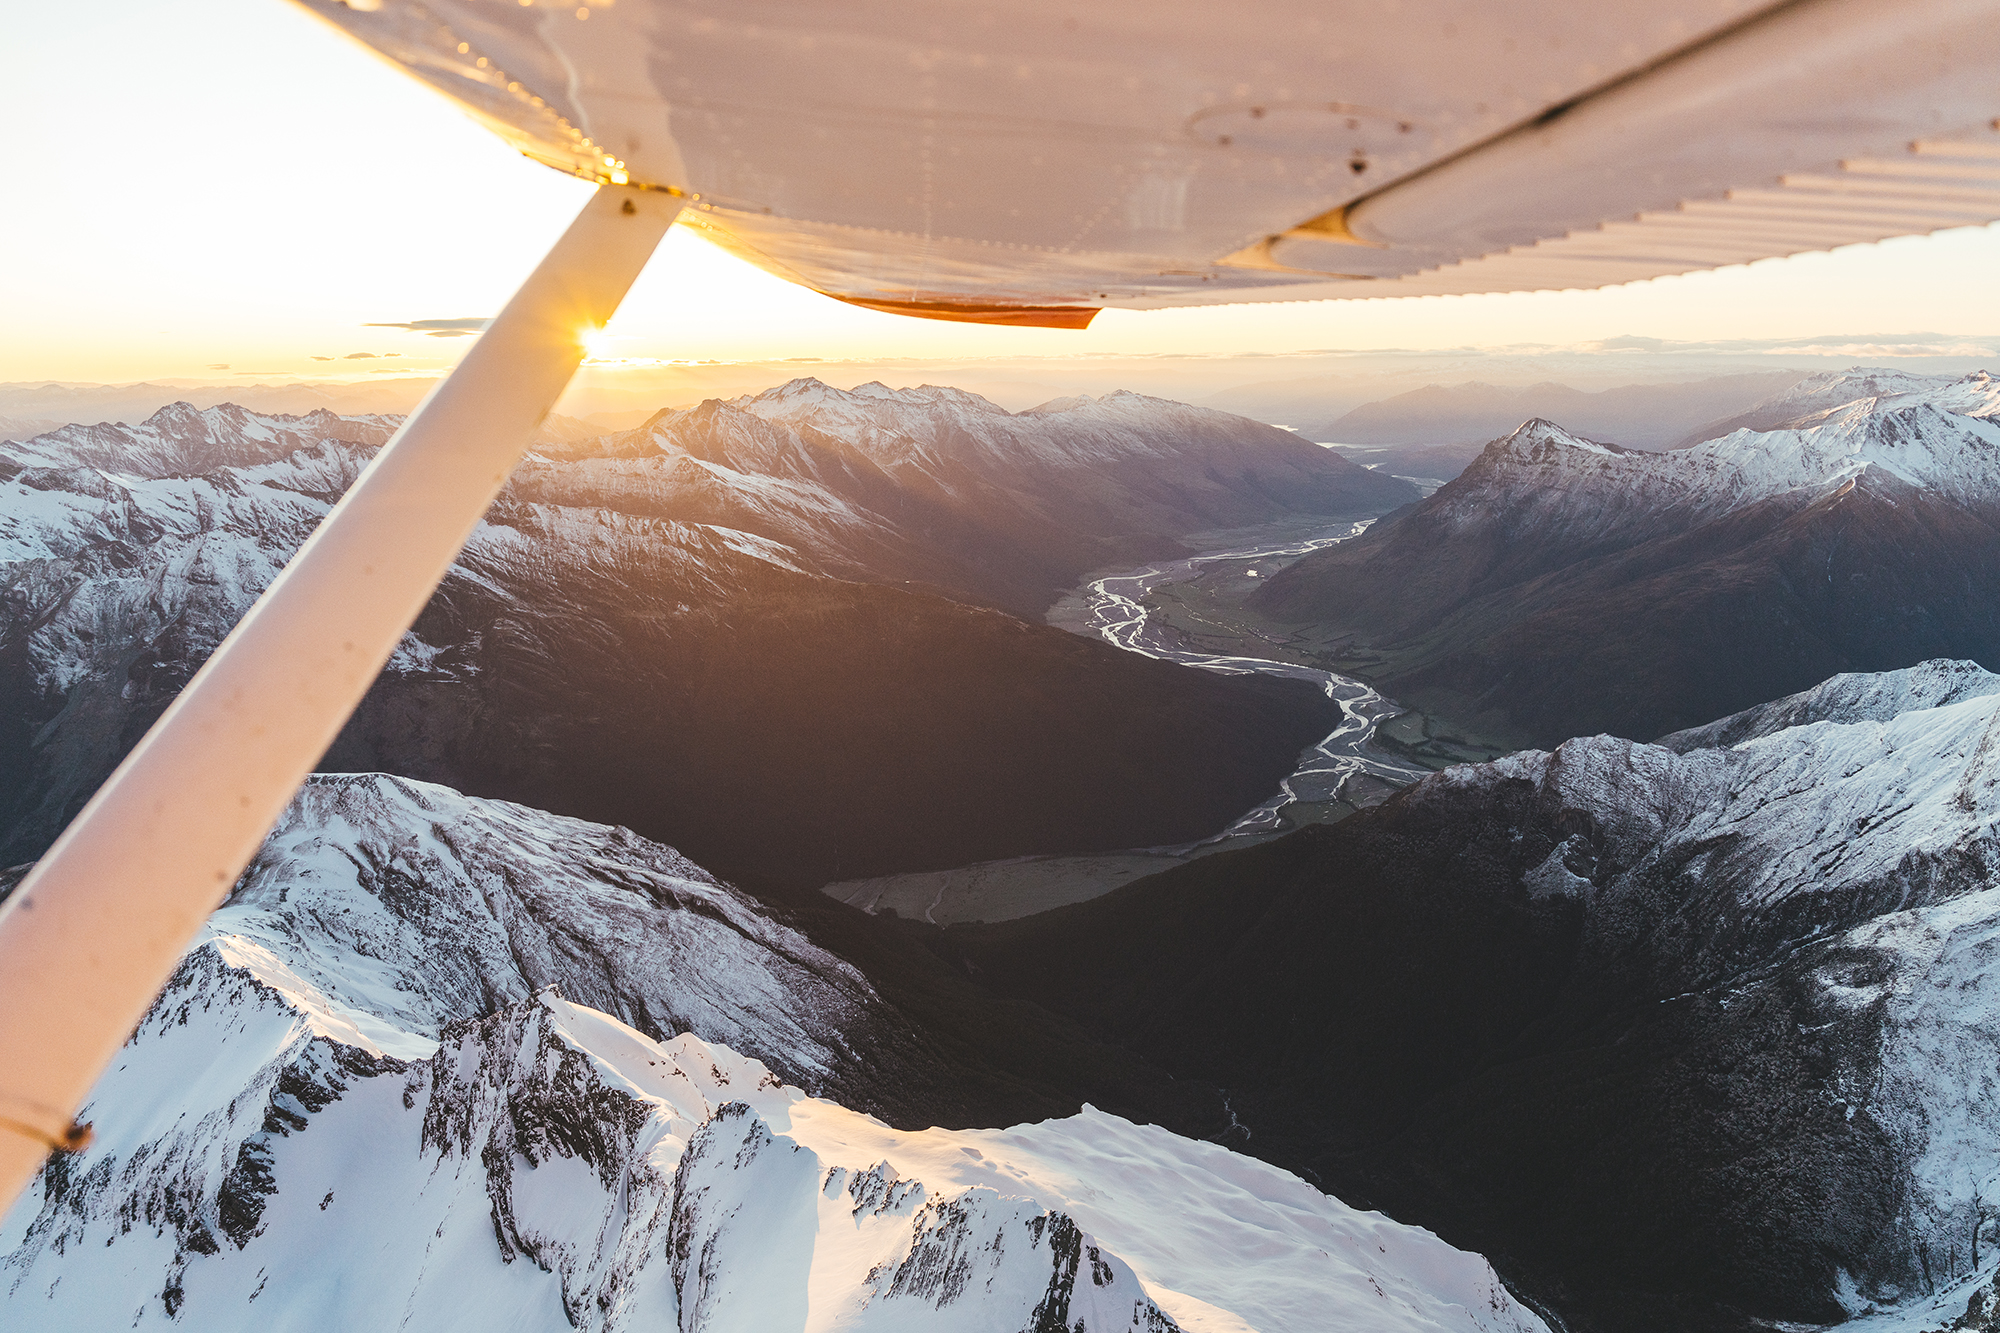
943, 1259
869, 410
1815, 398
489, 902
1941, 438
847, 474
1833, 391
952, 446
802, 394
946, 433
808, 392
1130, 405
181, 440
1850, 697
276, 1148
182, 417
1055, 405
1927, 432
1538, 440
1547, 489
1859, 797
1685, 584
1836, 388
1542, 466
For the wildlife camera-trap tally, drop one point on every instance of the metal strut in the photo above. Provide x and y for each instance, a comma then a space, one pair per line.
97, 928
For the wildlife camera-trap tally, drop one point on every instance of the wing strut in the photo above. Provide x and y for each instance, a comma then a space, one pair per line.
97, 928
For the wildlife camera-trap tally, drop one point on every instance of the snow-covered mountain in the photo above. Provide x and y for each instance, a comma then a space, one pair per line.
181, 441
1563, 585
373, 1097
435, 906
1814, 396
947, 434
1689, 1036
943, 487
1926, 432
1850, 697
647, 630
119, 583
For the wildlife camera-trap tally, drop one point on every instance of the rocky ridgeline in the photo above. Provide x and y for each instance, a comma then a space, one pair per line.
1561, 586
940, 485
681, 628
1688, 1035
351, 1108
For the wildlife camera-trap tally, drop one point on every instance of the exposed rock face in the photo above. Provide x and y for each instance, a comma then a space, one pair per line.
464, 905
589, 655
349, 1110
1686, 1037
1562, 586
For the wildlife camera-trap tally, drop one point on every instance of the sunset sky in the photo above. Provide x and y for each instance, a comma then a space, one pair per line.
233, 191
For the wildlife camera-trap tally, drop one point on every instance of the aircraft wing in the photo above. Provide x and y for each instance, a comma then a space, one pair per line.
1014, 162
1026, 162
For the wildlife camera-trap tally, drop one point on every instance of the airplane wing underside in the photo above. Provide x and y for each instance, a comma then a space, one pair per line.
1020, 161
1017, 162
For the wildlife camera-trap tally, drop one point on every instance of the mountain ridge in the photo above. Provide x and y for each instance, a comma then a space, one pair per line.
587, 633
1559, 587
1684, 1040
944, 487
313, 1128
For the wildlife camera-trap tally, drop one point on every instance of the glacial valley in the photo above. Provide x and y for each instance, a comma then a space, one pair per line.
530, 1012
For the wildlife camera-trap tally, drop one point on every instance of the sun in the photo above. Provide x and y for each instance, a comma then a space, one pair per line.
596, 344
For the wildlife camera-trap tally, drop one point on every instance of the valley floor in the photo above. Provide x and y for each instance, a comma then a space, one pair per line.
1195, 612
1006, 890
1208, 613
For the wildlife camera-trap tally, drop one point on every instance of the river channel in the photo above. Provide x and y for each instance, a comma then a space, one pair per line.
1114, 607
1340, 772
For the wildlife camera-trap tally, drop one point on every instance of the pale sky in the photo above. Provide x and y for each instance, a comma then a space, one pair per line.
211, 191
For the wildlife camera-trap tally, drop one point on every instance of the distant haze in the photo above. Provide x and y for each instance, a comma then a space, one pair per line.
1640, 416
1646, 393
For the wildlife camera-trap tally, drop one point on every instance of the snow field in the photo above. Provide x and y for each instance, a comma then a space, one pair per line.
304, 1135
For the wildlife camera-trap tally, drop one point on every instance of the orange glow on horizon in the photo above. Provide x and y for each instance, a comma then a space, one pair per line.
290, 271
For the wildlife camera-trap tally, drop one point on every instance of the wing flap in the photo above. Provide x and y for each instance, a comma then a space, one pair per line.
1807, 213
